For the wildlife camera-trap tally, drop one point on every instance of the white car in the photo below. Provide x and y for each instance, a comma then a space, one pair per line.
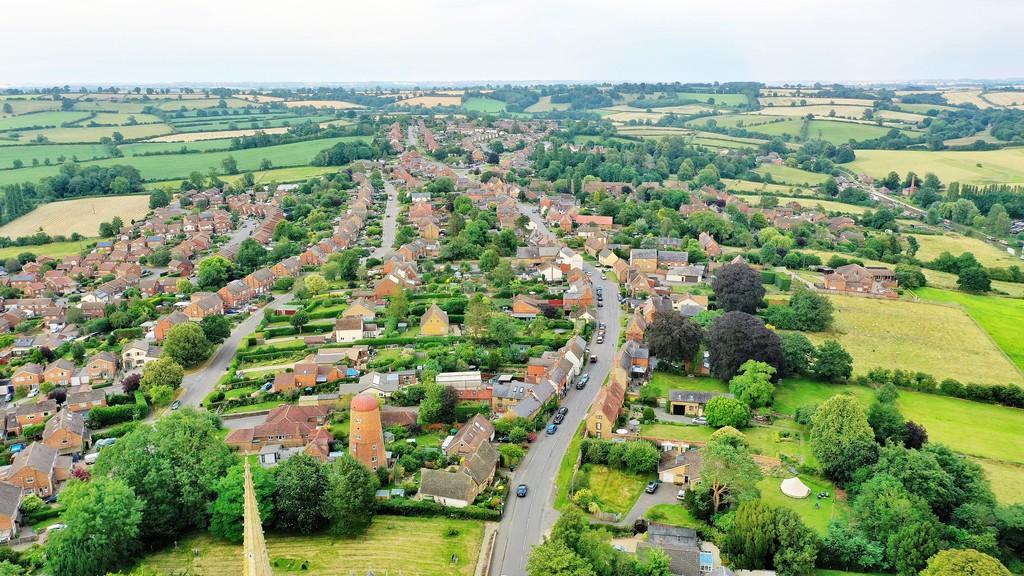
33, 393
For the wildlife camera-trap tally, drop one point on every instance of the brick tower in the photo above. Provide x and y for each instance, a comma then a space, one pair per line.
366, 435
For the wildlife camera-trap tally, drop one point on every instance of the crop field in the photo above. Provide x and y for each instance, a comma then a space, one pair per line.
107, 106
200, 102
216, 134
939, 340
1007, 479
75, 134
719, 99
431, 101
1002, 318
780, 101
827, 205
934, 244
947, 281
792, 175
120, 118
966, 97
154, 146
1009, 99
834, 131
52, 152
972, 167
546, 105
336, 104
82, 215
819, 110
53, 249
923, 108
279, 175
392, 545
485, 105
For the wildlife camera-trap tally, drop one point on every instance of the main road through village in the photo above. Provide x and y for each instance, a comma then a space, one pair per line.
526, 520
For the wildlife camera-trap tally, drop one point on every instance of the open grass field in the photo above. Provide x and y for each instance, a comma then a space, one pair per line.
827, 205
53, 249
793, 176
1002, 318
771, 102
1007, 479
957, 97
616, 490
968, 166
936, 339
82, 215
932, 245
279, 175
546, 105
819, 110
121, 118
719, 99
216, 134
392, 545
151, 147
336, 104
52, 152
76, 134
638, 115
763, 187
923, 108
431, 101
485, 105
55, 118
25, 105
816, 518
200, 102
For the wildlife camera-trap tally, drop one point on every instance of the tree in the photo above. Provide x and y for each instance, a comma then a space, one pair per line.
910, 277
753, 385
502, 330
229, 165
751, 541
102, 518
832, 362
299, 319
250, 256
736, 337
841, 438
173, 466
183, 286
315, 283
349, 501
187, 344
797, 354
738, 288
797, 549
164, 371
724, 411
641, 457
216, 328
915, 436
553, 558
302, 485
812, 311
226, 512
130, 383
887, 422
964, 563
158, 199
674, 338
728, 473
478, 315
398, 306
998, 221
502, 274
438, 404
214, 272
489, 260
973, 279
511, 454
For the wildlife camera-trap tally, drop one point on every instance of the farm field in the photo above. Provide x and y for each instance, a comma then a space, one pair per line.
828, 205
82, 215
279, 175
336, 104
818, 109
53, 249
431, 101
75, 134
719, 99
1002, 318
834, 131
546, 105
485, 105
762, 187
55, 118
932, 245
966, 97
150, 147
1007, 479
52, 152
931, 338
791, 175
968, 166
810, 100
27, 104
216, 134
1008, 99
923, 108
392, 545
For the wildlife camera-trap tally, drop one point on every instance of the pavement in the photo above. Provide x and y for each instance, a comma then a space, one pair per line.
526, 520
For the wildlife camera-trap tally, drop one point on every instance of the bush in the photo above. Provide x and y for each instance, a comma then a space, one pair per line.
407, 507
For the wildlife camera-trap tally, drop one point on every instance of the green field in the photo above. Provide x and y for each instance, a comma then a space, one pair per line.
763, 440
1002, 318
53, 249
27, 104
932, 245
794, 176
616, 491
55, 118
987, 167
52, 152
811, 203
486, 105
75, 134
763, 187
834, 131
931, 338
392, 545
138, 148
673, 514
720, 99
279, 175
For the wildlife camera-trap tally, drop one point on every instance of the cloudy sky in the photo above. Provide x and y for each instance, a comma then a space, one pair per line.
223, 41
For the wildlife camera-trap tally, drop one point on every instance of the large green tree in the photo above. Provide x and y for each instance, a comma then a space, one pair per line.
841, 438
302, 485
753, 385
214, 272
216, 328
738, 288
227, 510
724, 411
832, 362
736, 337
102, 518
750, 542
964, 563
349, 501
728, 472
187, 345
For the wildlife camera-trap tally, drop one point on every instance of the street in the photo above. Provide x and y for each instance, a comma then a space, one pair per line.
526, 520
390, 224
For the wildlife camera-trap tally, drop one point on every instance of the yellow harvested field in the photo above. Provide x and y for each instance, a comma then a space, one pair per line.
336, 104
810, 203
956, 244
936, 339
214, 135
900, 116
82, 215
546, 105
811, 100
1004, 166
431, 101
1010, 99
966, 97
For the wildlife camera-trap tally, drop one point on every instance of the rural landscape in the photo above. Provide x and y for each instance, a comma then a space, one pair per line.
641, 327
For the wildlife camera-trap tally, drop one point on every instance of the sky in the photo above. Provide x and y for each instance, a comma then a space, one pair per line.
76, 42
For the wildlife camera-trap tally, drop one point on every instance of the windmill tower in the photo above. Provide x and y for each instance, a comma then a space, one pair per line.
257, 561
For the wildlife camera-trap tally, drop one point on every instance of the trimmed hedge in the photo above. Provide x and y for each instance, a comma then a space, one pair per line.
104, 416
407, 507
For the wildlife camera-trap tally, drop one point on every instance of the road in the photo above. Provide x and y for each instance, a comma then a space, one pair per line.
199, 383
913, 209
526, 520
390, 224
410, 139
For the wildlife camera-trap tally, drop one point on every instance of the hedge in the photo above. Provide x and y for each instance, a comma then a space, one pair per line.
292, 331
128, 333
767, 277
115, 431
1009, 395
103, 416
407, 507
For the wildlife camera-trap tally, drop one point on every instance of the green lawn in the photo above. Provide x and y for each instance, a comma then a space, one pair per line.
392, 545
486, 105
1007, 480
815, 513
564, 477
663, 382
673, 514
52, 152
794, 176
1002, 318
811, 203
53, 249
268, 405
616, 490
932, 245
784, 438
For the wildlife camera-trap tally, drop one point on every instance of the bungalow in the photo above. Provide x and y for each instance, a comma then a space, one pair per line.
381, 384
66, 433
39, 470
690, 402
434, 322
692, 274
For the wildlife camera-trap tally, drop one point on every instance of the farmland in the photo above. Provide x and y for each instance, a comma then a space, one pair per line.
413, 545
970, 167
791, 175
53, 249
810, 203
485, 105
932, 245
52, 152
431, 101
336, 104
546, 105
82, 215
1002, 318
930, 338
279, 175
75, 134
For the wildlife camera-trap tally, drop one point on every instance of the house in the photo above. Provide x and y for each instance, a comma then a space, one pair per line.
469, 438
30, 374
10, 510
525, 307
366, 432
306, 373
66, 433
138, 353
382, 384
434, 322
856, 278
606, 409
461, 380
580, 294
288, 425
204, 304
709, 245
59, 372
459, 488
691, 274
363, 308
31, 413
690, 402
686, 556
550, 272
86, 399
235, 295
607, 258
39, 470
679, 467
644, 259
348, 329
101, 366
165, 323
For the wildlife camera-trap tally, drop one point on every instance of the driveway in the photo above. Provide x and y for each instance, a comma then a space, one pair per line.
666, 494
527, 519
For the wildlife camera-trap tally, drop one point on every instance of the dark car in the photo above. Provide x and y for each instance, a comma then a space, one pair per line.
563, 410
652, 486
521, 490
558, 419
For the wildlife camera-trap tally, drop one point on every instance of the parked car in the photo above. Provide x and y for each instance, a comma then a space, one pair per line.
56, 527
652, 486
600, 338
585, 378
603, 277
33, 393
681, 495
521, 491
176, 404
563, 410
558, 419
593, 359
600, 304
700, 420
552, 428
